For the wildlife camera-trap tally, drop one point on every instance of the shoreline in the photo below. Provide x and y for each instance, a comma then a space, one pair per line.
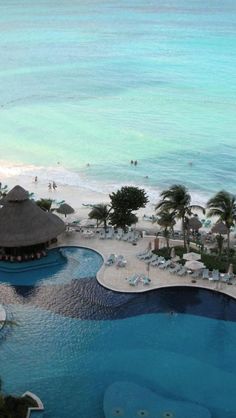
84, 179
78, 196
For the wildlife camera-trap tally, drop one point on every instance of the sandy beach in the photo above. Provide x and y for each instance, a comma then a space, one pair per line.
77, 197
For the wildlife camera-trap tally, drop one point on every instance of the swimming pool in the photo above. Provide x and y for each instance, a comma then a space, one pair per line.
73, 339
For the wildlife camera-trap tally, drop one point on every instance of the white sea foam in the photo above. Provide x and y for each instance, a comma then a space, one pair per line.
11, 173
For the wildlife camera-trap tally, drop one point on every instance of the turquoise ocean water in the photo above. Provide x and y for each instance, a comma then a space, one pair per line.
107, 81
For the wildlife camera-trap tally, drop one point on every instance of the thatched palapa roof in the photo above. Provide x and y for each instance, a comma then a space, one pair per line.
23, 223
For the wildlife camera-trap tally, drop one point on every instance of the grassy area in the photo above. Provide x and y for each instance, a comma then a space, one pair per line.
211, 261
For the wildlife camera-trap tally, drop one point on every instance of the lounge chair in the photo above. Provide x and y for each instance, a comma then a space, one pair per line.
146, 256
205, 274
133, 280
215, 275
182, 272
143, 252
111, 260
175, 269
165, 265
145, 280
150, 260
121, 261
226, 278
159, 260
196, 274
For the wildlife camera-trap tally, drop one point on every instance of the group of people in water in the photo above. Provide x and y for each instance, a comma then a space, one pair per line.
134, 162
51, 184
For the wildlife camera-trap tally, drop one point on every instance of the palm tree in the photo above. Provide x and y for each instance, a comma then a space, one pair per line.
166, 220
101, 213
177, 201
223, 205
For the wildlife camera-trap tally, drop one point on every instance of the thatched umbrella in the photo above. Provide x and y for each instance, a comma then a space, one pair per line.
219, 228
23, 223
194, 223
65, 209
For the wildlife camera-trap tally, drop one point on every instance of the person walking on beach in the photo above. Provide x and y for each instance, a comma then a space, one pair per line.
49, 186
54, 185
36, 179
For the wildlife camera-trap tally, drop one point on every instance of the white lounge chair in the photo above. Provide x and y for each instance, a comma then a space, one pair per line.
205, 274
111, 260
182, 272
121, 261
175, 269
160, 260
215, 275
146, 256
133, 280
165, 265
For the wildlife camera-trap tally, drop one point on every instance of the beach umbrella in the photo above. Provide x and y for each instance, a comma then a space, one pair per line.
192, 256
194, 265
194, 223
172, 253
219, 228
65, 209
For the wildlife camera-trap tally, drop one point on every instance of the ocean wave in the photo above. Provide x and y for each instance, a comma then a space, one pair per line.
12, 173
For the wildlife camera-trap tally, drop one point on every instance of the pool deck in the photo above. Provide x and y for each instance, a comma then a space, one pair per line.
114, 278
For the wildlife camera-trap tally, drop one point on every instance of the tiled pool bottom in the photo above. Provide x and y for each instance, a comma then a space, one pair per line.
69, 363
73, 340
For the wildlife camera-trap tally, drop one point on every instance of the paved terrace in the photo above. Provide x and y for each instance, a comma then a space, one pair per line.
114, 278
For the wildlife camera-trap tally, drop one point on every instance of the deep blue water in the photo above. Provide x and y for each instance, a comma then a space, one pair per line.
76, 338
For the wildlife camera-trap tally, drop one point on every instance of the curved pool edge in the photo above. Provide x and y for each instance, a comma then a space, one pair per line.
110, 278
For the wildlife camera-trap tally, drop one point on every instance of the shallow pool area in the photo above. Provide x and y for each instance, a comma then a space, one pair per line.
71, 340
61, 265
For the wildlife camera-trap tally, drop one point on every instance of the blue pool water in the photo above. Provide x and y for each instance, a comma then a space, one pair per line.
74, 338
60, 266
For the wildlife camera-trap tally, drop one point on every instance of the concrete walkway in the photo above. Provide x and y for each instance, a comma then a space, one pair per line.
115, 278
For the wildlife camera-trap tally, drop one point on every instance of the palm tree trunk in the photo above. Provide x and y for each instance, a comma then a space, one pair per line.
228, 242
167, 239
184, 232
105, 226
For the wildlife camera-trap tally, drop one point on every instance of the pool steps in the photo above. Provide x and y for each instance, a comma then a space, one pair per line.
39, 406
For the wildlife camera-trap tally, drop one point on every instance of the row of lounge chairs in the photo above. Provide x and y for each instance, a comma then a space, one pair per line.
175, 268
120, 235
